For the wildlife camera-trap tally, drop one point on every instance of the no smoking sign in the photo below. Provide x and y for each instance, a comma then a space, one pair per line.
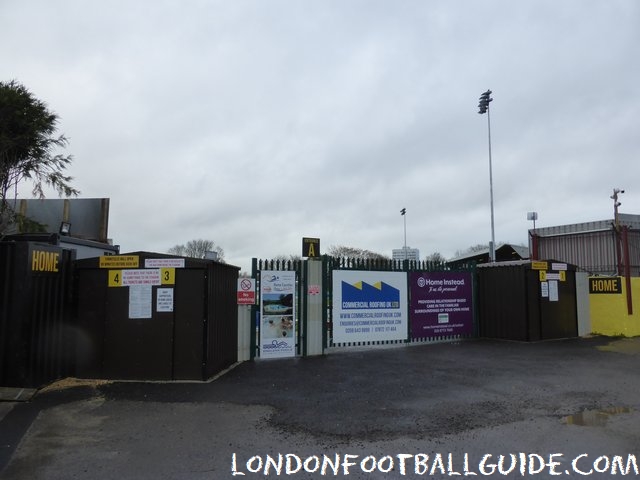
246, 291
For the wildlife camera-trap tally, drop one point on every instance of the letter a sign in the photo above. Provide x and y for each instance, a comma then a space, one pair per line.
310, 247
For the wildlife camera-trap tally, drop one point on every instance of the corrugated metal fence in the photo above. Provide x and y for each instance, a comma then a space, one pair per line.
36, 339
61, 317
192, 338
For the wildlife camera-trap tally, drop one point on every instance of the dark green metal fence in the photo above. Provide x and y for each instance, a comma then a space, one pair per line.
329, 264
259, 265
332, 263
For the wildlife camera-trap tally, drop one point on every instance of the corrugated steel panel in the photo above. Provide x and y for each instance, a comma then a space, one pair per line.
6, 306
634, 252
574, 228
592, 251
35, 340
629, 220
502, 309
511, 305
194, 341
221, 335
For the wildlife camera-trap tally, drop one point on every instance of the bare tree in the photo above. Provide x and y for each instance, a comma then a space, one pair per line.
287, 258
473, 249
436, 257
355, 253
197, 249
178, 250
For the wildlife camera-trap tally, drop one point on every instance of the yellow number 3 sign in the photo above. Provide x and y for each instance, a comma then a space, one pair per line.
168, 276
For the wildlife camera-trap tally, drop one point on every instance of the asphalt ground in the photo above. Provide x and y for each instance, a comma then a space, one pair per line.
568, 407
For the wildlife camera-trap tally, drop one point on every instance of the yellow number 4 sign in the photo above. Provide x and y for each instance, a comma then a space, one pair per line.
115, 278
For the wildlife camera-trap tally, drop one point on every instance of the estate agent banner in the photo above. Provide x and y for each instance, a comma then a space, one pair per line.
441, 304
277, 313
369, 306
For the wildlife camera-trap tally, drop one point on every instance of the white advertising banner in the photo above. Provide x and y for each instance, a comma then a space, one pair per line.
277, 314
369, 306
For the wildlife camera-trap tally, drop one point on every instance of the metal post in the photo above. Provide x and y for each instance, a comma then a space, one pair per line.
616, 227
483, 106
403, 213
492, 247
253, 325
627, 269
405, 237
533, 244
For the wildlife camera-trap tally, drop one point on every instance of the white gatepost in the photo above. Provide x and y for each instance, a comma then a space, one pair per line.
314, 308
582, 300
244, 333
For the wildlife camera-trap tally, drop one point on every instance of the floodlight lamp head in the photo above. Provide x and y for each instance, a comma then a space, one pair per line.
483, 105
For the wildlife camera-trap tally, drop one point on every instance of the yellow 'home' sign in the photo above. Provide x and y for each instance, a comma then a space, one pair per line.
605, 285
45, 261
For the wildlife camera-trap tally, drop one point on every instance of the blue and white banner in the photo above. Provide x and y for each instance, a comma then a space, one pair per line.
277, 314
369, 306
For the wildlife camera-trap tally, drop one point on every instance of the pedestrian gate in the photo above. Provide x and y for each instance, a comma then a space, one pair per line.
331, 303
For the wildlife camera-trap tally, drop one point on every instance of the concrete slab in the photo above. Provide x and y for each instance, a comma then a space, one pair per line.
10, 394
5, 407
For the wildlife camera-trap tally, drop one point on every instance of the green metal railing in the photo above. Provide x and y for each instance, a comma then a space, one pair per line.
329, 264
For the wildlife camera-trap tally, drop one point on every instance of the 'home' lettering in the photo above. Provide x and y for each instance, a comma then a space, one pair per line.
42, 261
605, 285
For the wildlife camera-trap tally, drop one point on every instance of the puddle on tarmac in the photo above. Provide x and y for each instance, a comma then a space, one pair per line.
630, 346
594, 418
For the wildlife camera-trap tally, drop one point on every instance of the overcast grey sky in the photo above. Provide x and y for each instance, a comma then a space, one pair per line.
257, 122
